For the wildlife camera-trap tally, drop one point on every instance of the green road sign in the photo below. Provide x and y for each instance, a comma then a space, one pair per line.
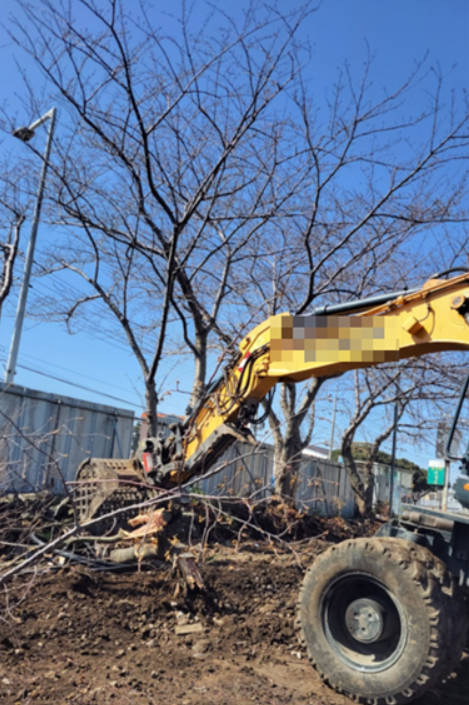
436, 472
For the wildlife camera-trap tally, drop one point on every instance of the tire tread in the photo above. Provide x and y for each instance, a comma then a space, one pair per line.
444, 605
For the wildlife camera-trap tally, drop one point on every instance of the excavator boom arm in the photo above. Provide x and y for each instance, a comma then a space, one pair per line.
295, 348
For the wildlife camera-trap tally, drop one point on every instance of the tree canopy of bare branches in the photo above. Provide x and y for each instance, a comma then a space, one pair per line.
9, 250
203, 186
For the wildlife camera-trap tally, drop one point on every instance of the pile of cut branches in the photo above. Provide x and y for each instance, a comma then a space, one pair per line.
40, 532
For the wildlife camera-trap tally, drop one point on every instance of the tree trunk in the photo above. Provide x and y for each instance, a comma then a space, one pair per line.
287, 465
151, 398
288, 441
200, 357
362, 488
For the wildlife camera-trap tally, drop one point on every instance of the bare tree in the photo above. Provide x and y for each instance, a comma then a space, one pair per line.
199, 171
418, 390
382, 189
171, 161
13, 208
9, 250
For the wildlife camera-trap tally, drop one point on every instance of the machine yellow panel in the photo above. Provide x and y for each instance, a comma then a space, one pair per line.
306, 341
319, 345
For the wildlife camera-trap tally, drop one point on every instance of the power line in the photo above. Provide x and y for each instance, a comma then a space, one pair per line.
79, 386
57, 287
74, 372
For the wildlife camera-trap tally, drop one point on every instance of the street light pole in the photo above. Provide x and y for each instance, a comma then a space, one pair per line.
25, 134
393, 457
331, 440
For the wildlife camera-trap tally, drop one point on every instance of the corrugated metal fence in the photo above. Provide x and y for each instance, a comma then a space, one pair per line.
403, 482
44, 437
246, 471
323, 488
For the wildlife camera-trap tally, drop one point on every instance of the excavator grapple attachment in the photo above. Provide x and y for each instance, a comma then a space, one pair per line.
103, 485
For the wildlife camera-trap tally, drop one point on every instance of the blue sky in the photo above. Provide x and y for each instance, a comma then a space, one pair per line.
397, 33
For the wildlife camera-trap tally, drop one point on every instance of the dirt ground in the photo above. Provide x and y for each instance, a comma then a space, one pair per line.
80, 637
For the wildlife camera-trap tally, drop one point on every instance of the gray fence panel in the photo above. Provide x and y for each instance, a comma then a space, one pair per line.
245, 471
403, 481
44, 437
324, 488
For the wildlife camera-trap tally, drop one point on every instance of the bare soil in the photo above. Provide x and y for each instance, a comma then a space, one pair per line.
75, 636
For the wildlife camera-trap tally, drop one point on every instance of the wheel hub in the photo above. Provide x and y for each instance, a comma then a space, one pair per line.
365, 620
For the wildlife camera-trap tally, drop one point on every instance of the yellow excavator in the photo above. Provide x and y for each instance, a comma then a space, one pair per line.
382, 619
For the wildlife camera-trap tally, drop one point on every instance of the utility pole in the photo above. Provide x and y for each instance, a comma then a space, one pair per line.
446, 486
25, 134
393, 457
331, 440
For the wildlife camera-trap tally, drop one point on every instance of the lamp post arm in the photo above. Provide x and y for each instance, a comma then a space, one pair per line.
50, 115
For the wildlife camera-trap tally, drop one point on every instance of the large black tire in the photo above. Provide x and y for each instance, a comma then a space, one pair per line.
382, 620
